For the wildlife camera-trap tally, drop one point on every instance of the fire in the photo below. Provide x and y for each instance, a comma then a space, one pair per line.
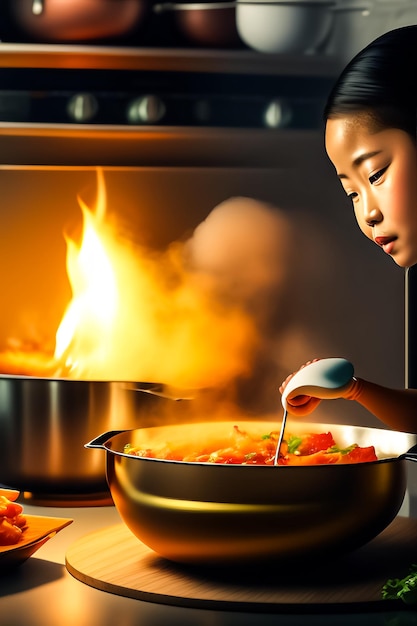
91, 313
196, 314
139, 315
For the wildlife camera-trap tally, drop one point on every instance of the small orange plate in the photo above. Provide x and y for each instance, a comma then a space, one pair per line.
39, 529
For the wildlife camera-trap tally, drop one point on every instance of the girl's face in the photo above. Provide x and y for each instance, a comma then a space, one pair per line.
378, 171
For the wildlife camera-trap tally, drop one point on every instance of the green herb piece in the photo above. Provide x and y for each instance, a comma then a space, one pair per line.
342, 450
293, 443
404, 589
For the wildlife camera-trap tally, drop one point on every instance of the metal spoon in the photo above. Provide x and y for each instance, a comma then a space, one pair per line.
281, 436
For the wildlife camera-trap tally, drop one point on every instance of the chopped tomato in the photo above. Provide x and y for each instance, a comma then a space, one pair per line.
356, 455
360, 455
318, 458
314, 442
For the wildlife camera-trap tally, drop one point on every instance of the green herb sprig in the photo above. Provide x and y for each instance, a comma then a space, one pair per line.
404, 589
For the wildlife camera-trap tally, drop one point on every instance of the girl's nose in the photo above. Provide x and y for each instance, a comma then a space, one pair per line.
372, 215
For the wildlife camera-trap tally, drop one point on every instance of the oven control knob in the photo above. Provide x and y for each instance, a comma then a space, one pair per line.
146, 110
278, 114
82, 107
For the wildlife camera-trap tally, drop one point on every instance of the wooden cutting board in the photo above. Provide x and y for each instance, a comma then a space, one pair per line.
113, 560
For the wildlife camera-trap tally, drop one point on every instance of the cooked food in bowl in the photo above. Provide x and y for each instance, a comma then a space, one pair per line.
242, 447
12, 522
228, 513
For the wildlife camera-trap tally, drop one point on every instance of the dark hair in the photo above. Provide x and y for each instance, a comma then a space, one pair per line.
381, 82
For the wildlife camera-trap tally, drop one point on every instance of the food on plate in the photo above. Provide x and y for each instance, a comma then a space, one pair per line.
243, 448
12, 522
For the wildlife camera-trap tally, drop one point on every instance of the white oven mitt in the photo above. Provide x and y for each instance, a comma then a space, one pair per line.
320, 380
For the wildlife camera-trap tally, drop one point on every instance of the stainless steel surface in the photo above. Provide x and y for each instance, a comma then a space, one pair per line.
164, 391
44, 424
213, 513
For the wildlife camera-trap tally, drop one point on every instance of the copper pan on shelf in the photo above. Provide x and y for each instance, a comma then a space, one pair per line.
77, 20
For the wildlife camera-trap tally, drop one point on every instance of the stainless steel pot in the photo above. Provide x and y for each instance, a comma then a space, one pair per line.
44, 424
225, 514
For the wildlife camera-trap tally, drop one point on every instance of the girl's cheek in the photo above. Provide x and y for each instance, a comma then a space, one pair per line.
403, 194
397, 198
405, 204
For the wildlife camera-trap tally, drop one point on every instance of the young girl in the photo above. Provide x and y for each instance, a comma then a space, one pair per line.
371, 139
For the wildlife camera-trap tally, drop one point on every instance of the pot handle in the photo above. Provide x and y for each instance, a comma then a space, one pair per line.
99, 441
411, 455
160, 391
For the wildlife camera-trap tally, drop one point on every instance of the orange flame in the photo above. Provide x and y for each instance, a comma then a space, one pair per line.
92, 311
142, 316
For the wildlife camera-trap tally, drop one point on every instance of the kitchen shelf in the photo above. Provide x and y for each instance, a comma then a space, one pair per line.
17, 55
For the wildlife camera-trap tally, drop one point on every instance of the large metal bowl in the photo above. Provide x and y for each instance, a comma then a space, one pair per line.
204, 513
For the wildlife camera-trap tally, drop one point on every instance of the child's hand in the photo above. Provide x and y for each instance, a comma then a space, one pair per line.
302, 405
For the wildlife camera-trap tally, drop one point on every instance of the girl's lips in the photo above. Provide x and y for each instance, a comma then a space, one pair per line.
386, 243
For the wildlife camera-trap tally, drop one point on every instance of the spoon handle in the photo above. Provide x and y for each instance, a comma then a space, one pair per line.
281, 436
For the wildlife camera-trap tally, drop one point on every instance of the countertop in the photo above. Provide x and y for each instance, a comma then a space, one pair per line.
41, 592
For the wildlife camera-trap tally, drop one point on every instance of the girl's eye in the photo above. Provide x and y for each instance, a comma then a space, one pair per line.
375, 177
352, 195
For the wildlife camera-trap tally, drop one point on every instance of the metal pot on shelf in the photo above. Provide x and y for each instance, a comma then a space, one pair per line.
205, 24
77, 20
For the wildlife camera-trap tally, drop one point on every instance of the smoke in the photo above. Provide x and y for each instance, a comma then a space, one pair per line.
244, 247
200, 314
195, 315
245, 250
